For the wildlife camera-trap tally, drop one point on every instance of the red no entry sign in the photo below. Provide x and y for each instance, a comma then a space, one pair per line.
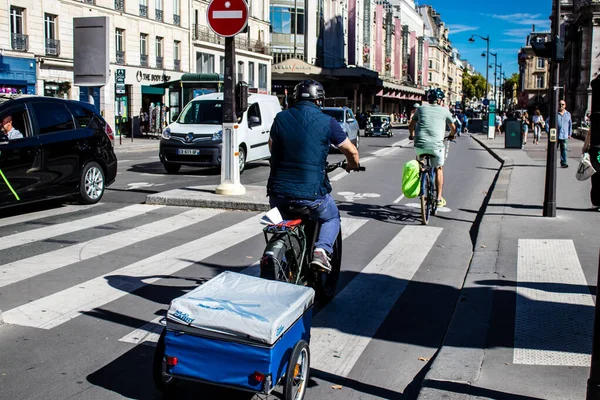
227, 17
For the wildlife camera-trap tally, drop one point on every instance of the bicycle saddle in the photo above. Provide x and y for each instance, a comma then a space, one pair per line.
294, 212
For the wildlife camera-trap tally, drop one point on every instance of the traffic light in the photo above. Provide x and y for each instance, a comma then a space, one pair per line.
554, 49
241, 98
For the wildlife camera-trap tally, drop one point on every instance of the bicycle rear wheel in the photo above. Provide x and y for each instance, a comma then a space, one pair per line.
425, 201
280, 258
433, 193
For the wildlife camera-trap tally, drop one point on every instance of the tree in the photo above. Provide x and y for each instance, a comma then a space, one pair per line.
473, 85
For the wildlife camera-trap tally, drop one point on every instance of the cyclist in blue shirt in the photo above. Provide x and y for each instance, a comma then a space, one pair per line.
299, 144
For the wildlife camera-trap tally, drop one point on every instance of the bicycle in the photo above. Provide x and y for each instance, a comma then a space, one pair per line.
428, 192
289, 247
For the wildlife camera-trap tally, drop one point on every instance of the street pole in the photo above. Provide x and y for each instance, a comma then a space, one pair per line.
230, 172
593, 383
487, 63
549, 207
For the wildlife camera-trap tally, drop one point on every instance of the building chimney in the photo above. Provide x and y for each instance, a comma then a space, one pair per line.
533, 28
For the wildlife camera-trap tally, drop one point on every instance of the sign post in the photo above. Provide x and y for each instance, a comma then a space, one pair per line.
228, 18
492, 119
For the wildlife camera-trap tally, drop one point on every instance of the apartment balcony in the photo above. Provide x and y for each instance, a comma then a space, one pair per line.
158, 15
93, 2
19, 42
159, 62
144, 60
120, 5
177, 65
52, 47
205, 34
120, 57
143, 11
176, 19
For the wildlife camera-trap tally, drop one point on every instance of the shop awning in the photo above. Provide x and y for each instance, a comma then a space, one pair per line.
204, 78
153, 90
10, 82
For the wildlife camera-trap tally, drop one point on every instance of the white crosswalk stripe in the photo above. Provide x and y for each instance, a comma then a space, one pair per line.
46, 262
53, 212
47, 232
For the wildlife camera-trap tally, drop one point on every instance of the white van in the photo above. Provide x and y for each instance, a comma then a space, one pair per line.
195, 138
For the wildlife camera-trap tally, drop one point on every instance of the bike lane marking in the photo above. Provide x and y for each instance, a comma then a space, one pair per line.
56, 309
342, 330
50, 261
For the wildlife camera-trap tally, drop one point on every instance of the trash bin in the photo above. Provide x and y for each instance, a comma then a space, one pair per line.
512, 134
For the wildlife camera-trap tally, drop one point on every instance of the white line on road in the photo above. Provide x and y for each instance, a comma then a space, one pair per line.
73, 226
60, 307
344, 328
19, 219
399, 199
555, 310
46, 262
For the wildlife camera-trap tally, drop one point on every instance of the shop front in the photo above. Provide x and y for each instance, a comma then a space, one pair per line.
286, 75
17, 75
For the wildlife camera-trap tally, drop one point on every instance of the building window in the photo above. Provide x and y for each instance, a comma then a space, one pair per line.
177, 55
205, 63
143, 50
262, 76
143, 8
120, 5
541, 63
159, 52
540, 81
430, 78
176, 13
240, 71
430, 63
120, 45
19, 41
158, 9
250, 74
283, 20
52, 44
222, 65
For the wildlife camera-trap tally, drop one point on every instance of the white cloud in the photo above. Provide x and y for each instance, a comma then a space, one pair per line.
457, 28
521, 41
522, 19
517, 32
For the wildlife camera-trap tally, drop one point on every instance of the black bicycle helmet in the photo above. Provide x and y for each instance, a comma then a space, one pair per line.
309, 90
435, 94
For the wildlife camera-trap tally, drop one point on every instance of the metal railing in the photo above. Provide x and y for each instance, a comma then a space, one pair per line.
159, 62
205, 34
143, 11
177, 65
120, 5
176, 19
144, 60
19, 42
158, 15
89, 1
120, 57
52, 47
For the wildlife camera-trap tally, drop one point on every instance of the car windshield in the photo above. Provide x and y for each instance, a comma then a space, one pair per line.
378, 120
209, 112
337, 114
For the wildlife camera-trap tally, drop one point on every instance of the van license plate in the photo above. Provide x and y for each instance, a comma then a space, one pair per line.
188, 152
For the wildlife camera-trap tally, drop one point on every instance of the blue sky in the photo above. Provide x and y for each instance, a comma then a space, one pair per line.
507, 23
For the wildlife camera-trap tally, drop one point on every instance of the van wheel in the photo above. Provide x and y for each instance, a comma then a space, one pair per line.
242, 159
172, 168
91, 184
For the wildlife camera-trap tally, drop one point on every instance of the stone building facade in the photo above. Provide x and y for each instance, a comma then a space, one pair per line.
534, 75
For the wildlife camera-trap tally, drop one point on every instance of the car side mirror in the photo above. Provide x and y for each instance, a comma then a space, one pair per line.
253, 121
350, 120
174, 117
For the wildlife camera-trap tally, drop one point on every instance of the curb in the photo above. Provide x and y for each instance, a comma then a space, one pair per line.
457, 364
1, 319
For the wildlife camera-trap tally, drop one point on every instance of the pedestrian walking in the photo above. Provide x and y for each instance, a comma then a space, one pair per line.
538, 125
525, 126
498, 123
592, 147
565, 130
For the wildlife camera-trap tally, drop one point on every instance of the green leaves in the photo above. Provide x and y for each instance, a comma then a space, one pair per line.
473, 85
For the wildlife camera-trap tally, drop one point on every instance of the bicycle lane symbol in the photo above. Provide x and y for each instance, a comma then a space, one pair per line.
351, 196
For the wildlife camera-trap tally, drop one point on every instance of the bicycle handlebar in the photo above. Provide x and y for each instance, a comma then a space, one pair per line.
342, 164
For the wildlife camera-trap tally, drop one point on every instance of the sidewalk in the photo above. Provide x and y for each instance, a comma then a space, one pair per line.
522, 328
126, 145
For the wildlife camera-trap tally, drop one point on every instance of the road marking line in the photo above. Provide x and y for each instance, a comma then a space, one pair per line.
399, 199
555, 310
46, 232
19, 219
60, 307
46, 262
344, 328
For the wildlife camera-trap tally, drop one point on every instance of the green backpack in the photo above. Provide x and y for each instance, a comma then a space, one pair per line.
410, 179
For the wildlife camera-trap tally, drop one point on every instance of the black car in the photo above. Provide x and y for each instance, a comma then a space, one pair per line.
52, 148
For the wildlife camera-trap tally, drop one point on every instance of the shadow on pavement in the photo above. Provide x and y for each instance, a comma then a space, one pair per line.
463, 388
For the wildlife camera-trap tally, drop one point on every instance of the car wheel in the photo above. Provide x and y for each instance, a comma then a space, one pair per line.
91, 183
357, 142
242, 159
172, 168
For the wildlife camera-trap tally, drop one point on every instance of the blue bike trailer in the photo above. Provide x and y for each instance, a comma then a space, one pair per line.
237, 331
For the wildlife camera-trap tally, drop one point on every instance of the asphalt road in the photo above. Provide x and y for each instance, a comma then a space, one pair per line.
77, 286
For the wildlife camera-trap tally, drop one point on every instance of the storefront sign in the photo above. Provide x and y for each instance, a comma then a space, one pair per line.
120, 88
294, 65
141, 76
120, 75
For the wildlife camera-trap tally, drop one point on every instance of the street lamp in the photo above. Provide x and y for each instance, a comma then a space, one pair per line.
495, 75
487, 61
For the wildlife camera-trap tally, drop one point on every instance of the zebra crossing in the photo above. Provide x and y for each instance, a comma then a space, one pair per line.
341, 330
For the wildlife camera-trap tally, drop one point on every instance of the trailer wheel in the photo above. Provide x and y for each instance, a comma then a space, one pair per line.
296, 375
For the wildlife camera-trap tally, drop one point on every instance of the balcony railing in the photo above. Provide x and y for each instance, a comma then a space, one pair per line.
89, 2
143, 11
159, 62
158, 15
144, 60
176, 19
177, 65
52, 47
19, 42
205, 34
120, 5
120, 57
